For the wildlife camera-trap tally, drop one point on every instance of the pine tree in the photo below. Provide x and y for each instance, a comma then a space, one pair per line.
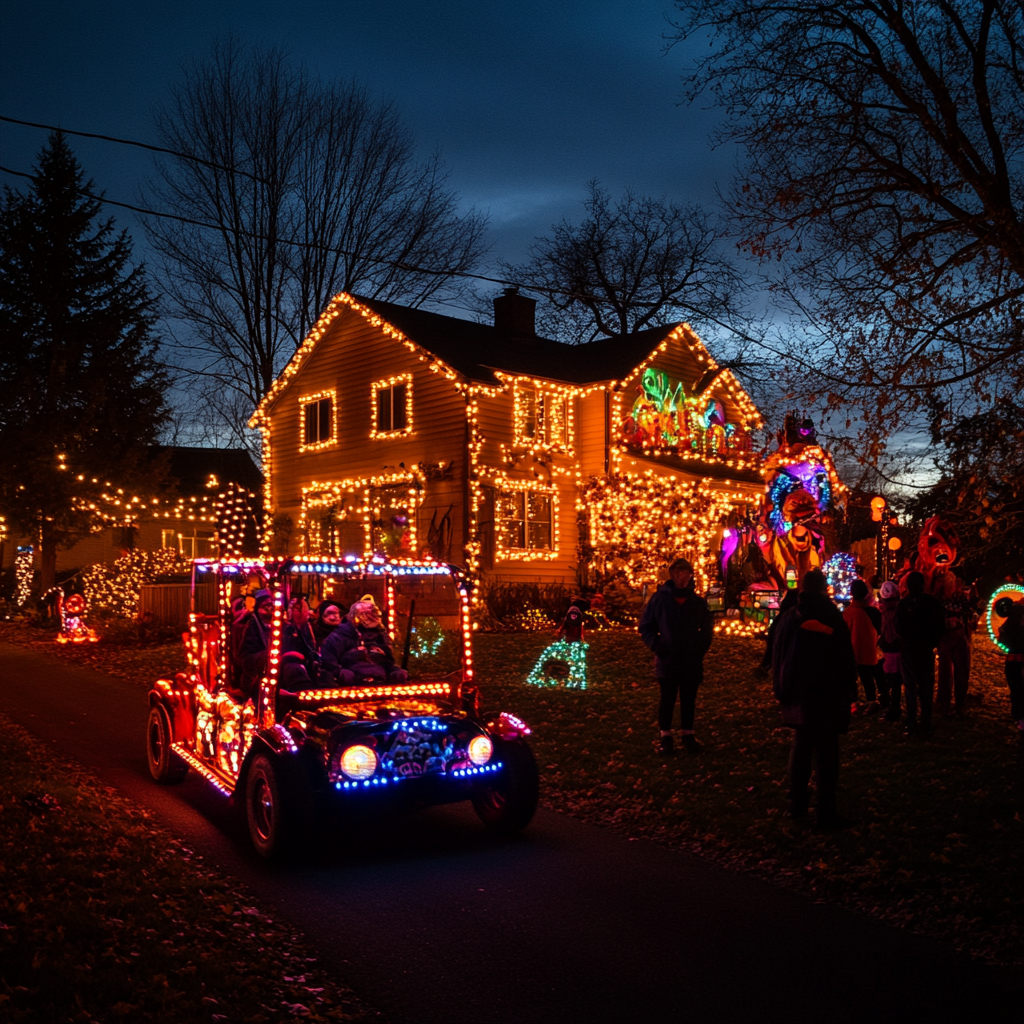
78, 371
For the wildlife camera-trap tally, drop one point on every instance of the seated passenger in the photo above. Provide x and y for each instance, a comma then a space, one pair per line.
292, 675
327, 619
359, 649
256, 643
298, 636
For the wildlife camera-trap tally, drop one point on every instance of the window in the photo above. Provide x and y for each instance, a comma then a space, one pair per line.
392, 406
523, 521
200, 544
541, 417
317, 421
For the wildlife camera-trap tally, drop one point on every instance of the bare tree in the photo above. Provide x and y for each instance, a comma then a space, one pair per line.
313, 188
885, 187
636, 263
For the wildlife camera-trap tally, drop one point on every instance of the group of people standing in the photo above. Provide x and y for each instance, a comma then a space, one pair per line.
333, 646
818, 655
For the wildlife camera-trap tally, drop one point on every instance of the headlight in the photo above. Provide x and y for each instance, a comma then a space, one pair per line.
480, 750
359, 762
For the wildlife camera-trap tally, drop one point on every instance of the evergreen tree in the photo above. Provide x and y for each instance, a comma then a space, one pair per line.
78, 370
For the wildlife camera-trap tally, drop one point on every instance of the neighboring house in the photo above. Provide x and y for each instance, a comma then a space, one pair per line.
409, 433
187, 522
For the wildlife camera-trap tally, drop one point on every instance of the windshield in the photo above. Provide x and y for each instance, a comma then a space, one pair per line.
422, 618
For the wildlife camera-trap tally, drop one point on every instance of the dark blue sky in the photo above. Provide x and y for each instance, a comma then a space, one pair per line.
526, 102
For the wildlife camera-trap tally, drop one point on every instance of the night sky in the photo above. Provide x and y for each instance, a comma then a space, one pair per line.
526, 103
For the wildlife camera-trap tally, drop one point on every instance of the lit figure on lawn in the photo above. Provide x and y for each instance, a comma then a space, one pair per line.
564, 663
73, 629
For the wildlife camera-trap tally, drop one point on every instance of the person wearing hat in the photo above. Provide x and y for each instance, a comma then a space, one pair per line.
678, 627
256, 642
327, 619
298, 636
1011, 636
359, 649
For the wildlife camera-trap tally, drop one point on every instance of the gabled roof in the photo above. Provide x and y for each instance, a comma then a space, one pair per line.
475, 351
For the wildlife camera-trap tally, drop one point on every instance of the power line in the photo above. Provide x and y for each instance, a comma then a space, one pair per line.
140, 145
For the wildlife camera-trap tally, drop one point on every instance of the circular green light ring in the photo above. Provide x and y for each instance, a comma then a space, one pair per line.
1003, 591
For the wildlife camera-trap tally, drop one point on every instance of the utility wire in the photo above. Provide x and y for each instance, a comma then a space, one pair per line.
311, 245
140, 145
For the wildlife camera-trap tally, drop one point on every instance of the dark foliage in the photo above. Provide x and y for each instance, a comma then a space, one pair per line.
981, 490
636, 263
78, 362
884, 186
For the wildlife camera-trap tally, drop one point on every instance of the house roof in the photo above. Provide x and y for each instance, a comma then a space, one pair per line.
480, 351
475, 350
193, 468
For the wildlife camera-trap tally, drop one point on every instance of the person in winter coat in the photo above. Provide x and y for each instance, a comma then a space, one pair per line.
360, 649
327, 619
256, 643
920, 620
815, 679
889, 643
789, 601
678, 627
298, 636
865, 623
1011, 636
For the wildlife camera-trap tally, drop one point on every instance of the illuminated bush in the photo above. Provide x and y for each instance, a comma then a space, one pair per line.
115, 588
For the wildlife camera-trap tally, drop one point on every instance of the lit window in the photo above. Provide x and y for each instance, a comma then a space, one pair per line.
524, 520
541, 417
317, 421
392, 406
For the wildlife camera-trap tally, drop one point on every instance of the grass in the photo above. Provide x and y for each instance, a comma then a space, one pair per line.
104, 916
938, 846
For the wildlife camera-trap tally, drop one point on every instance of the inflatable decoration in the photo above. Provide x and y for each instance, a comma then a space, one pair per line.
73, 629
937, 550
664, 416
801, 487
993, 620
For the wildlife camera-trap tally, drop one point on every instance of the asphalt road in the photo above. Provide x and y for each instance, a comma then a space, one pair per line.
432, 920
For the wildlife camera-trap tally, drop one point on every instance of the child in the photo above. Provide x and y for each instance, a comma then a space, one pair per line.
889, 643
864, 623
566, 659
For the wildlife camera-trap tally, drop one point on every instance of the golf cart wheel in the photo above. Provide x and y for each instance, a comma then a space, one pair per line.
507, 804
267, 811
164, 765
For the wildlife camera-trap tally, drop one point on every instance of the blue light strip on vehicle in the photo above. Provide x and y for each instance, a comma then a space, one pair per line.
379, 783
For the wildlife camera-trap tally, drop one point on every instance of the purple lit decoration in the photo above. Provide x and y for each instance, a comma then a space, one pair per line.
840, 571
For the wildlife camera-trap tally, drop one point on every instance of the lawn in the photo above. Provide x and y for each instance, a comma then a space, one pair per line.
938, 843
104, 916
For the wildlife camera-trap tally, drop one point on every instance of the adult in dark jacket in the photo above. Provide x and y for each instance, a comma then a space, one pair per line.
678, 626
920, 621
256, 643
329, 615
298, 637
787, 602
360, 649
815, 680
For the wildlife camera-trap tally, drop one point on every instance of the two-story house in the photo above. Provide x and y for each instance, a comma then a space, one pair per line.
406, 432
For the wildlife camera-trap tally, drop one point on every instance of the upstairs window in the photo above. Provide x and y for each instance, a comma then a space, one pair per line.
392, 406
541, 417
318, 422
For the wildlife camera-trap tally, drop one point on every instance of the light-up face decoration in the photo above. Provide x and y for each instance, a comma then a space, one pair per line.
663, 416
798, 493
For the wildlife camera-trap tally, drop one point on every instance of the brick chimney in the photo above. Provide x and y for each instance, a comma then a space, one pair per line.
515, 315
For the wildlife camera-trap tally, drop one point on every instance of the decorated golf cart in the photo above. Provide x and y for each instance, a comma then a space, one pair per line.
413, 738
